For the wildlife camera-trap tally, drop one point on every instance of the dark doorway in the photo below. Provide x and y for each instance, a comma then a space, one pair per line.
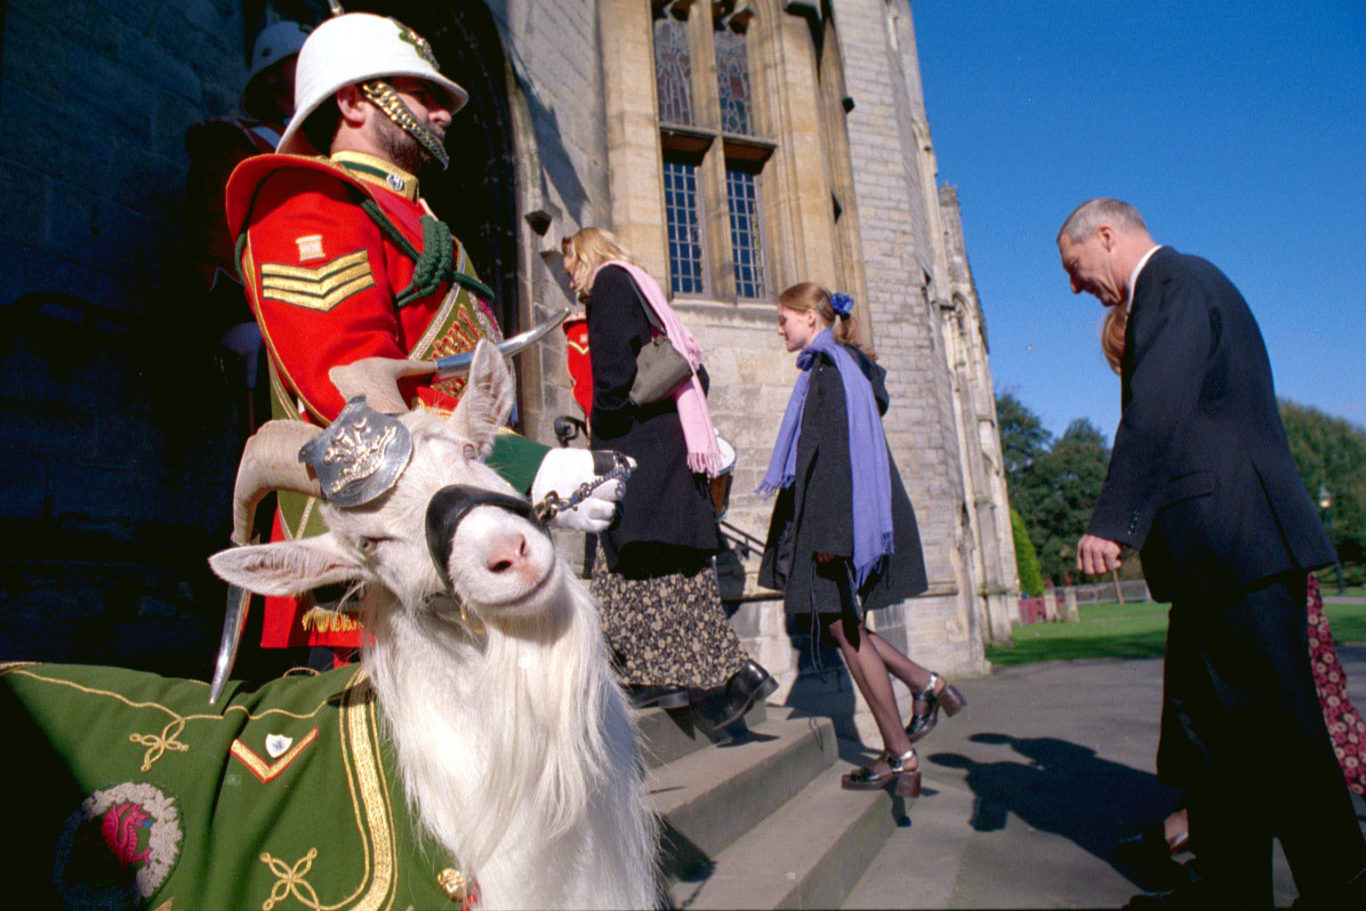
476, 195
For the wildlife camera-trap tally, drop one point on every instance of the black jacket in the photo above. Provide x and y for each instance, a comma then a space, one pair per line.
1201, 476
667, 508
815, 515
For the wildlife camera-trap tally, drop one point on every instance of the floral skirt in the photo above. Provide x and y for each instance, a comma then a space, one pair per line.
1344, 722
667, 630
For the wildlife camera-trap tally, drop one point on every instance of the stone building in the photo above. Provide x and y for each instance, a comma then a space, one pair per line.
737, 146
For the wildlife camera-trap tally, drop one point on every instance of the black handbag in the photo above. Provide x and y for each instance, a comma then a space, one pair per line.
660, 369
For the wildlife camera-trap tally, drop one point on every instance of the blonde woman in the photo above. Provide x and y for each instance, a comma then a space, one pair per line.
662, 612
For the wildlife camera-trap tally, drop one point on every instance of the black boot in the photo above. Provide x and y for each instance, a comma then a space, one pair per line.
665, 696
744, 688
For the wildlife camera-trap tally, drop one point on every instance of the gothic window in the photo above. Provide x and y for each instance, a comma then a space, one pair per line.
746, 237
685, 235
732, 79
673, 69
713, 151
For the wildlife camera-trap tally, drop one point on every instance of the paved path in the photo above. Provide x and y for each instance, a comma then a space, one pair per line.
1027, 790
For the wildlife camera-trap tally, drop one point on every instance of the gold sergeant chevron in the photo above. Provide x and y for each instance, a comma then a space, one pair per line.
317, 289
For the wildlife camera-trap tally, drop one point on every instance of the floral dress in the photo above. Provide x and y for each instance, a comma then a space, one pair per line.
1344, 722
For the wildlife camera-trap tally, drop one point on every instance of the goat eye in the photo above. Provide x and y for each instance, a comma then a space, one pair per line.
470, 452
368, 545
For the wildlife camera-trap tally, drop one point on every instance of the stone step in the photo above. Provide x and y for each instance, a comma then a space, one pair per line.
670, 734
809, 853
709, 798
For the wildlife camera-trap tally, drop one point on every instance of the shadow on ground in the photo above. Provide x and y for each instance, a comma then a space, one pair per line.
1056, 786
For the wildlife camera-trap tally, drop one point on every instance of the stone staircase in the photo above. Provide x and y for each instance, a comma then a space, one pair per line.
760, 820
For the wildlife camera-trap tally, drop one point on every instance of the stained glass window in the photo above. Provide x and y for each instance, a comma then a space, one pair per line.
732, 78
746, 239
673, 70
685, 236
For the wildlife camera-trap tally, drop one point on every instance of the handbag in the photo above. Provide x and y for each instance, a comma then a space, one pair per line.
660, 369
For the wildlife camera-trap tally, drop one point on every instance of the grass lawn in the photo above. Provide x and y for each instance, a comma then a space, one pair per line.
1132, 630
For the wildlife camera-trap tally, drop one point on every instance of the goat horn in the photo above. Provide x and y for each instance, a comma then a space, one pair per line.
377, 378
270, 461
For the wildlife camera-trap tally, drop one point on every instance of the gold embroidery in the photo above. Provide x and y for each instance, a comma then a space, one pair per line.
317, 289
303, 273
328, 621
369, 793
267, 771
322, 286
290, 881
158, 744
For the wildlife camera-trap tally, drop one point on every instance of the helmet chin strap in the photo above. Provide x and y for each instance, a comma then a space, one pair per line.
382, 95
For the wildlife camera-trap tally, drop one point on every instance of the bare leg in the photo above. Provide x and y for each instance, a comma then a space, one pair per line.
871, 677
903, 668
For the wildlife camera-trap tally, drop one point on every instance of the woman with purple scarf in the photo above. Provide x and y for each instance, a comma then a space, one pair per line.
652, 573
843, 539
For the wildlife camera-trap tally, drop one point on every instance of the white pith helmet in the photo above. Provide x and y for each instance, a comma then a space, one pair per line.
276, 42
354, 48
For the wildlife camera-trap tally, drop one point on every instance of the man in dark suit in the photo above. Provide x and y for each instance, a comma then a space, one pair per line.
1201, 479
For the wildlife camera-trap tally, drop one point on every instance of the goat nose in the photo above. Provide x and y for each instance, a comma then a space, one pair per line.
509, 553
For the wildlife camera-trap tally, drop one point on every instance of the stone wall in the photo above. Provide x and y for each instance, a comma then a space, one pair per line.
906, 266
120, 425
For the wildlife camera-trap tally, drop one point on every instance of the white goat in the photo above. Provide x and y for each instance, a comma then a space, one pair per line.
517, 750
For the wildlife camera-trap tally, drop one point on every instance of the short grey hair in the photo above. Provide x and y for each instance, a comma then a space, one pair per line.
1089, 216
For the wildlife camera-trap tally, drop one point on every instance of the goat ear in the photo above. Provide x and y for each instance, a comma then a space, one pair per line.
487, 399
286, 567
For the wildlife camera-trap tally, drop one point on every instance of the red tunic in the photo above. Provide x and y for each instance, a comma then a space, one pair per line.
342, 260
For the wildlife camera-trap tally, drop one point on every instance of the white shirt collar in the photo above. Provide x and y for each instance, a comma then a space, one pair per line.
1133, 276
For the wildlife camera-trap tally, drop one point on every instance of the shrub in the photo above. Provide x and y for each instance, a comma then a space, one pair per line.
1026, 561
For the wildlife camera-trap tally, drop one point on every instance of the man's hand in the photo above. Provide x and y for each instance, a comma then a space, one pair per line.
562, 471
1097, 555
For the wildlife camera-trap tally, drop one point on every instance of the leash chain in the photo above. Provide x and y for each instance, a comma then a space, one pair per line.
552, 504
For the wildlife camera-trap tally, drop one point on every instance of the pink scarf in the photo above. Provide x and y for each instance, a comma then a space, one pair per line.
704, 456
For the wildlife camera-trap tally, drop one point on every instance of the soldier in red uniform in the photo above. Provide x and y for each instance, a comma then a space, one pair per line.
343, 259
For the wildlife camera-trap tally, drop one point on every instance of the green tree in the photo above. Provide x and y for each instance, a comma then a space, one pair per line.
1026, 561
1066, 482
1023, 437
1330, 453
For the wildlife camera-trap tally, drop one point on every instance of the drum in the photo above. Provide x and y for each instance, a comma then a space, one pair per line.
576, 357
720, 485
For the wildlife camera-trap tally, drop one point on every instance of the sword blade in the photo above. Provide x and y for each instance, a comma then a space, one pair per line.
234, 620
459, 364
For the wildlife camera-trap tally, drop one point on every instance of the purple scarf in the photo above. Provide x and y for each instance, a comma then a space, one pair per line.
872, 473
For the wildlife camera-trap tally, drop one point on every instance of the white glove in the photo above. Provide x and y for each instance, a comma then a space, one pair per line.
562, 471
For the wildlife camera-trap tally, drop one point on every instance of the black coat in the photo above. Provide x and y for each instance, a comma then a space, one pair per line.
816, 515
1201, 476
667, 508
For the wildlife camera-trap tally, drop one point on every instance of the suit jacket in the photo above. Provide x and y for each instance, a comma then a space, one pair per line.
1201, 477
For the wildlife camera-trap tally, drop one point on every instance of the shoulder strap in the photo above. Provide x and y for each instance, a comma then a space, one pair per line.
655, 325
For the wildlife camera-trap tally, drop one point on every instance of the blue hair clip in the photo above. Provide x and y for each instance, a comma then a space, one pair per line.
841, 303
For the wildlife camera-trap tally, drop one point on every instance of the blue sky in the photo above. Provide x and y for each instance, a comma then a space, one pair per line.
1238, 129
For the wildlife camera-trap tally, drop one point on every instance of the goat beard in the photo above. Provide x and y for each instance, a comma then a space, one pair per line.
503, 749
